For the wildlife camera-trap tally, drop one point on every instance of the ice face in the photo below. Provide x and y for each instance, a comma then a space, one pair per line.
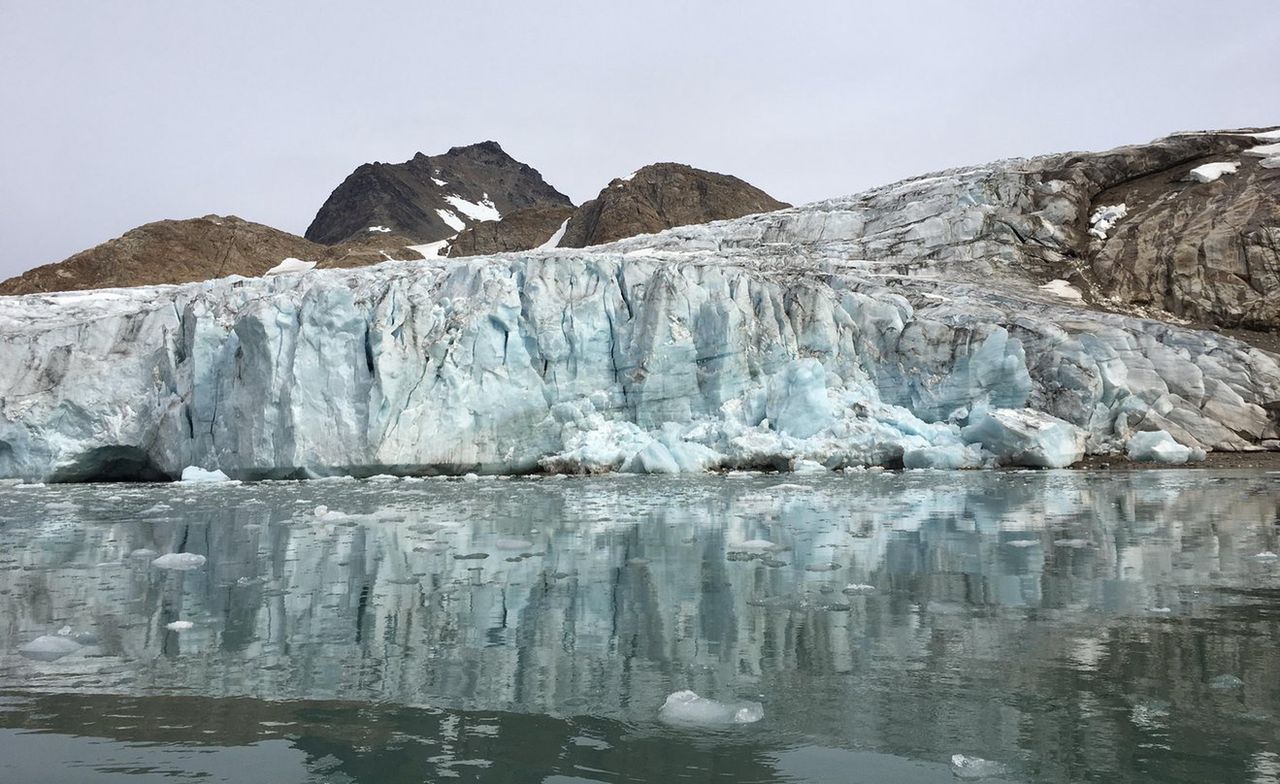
898, 326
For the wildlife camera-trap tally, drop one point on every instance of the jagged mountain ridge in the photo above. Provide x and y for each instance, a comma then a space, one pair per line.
432, 198
907, 325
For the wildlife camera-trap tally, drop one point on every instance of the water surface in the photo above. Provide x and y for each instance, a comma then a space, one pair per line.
1066, 626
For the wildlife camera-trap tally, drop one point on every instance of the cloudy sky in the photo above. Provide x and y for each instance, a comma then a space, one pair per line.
113, 114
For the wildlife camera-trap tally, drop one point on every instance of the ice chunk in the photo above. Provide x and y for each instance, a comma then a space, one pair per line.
797, 402
198, 474
808, 467
1157, 446
754, 546
513, 544
950, 456
1212, 171
1105, 218
1226, 681
290, 266
179, 626
49, 647
1025, 437
686, 707
974, 768
182, 562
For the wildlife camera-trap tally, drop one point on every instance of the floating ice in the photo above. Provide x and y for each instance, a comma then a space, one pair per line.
182, 562
290, 266
513, 544
1157, 446
49, 647
687, 708
1266, 555
197, 474
974, 768
754, 546
1226, 681
179, 626
1210, 172
809, 467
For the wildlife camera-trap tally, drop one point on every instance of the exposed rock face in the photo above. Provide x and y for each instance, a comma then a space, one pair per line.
1202, 250
196, 249
431, 198
520, 230
659, 197
905, 321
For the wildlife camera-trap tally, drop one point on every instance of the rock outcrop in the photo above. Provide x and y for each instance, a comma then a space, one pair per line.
196, 249
1200, 238
524, 229
662, 196
924, 323
430, 198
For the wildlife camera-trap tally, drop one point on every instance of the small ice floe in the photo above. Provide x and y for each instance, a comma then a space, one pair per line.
1210, 172
1063, 289
854, 589
1105, 218
975, 768
143, 552
179, 626
470, 477
198, 474
290, 266
513, 544
1226, 682
687, 708
808, 467
754, 546
1265, 555
1160, 610
1023, 542
822, 567
180, 562
1074, 544
49, 647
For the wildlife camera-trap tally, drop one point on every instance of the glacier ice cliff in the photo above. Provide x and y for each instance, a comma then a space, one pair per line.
905, 325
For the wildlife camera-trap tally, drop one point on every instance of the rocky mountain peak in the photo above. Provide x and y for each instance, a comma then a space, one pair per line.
430, 198
662, 196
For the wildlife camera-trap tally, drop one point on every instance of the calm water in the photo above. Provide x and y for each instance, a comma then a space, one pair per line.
1067, 627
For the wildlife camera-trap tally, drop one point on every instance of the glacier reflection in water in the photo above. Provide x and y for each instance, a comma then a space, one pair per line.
1070, 626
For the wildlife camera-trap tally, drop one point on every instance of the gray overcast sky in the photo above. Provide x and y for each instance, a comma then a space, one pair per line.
113, 114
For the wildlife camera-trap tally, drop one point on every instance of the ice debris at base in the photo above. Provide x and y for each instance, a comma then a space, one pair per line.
198, 474
180, 562
1157, 446
687, 708
902, 326
975, 768
179, 626
1105, 218
49, 647
1210, 172
289, 266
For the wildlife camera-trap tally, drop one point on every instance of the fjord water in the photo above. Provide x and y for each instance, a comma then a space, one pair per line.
1065, 626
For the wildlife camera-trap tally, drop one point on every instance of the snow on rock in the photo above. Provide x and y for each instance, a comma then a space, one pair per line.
1157, 446
687, 708
198, 474
482, 212
1264, 150
1025, 437
894, 327
380, 229
451, 220
1268, 136
1104, 219
290, 266
1210, 172
49, 647
179, 562
554, 240
1061, 288
433, 250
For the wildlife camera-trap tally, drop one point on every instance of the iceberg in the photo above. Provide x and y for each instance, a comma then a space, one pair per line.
687, 708
907, 325
49, 647
180, 562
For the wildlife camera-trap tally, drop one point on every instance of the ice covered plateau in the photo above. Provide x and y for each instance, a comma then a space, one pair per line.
905, 325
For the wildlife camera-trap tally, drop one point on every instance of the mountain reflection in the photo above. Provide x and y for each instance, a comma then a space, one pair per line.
1073, 625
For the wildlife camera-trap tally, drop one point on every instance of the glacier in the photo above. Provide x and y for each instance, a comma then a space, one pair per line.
905, 326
